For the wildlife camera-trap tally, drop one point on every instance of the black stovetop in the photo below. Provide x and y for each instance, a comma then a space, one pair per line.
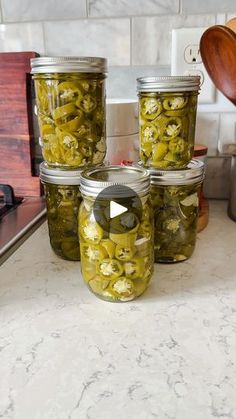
19, 217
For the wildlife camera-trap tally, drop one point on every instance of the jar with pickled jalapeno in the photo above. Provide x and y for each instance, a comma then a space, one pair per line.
175, 202
70, 99
63, 199
116, 232
167, 118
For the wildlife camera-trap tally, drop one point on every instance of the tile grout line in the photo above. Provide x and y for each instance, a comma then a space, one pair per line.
1, 11
180, 7
131, 41
44, 38
87, 8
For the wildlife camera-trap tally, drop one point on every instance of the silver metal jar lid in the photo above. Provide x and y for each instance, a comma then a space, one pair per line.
194, 173
168, 84
57, 176
68, 64
95, 180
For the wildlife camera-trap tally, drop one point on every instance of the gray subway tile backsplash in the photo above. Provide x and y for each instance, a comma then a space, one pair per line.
101, 37
17, 37
209, 6
28, 10
111, 8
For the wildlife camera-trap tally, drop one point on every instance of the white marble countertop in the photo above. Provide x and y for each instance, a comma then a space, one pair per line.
171, 354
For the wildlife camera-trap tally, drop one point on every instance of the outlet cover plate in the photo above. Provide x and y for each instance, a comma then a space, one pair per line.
186, 60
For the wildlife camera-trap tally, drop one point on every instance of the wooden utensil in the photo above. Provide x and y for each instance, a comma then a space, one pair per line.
218, 51
16, 130
231, 24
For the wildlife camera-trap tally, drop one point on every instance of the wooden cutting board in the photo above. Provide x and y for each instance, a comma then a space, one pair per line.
16, 124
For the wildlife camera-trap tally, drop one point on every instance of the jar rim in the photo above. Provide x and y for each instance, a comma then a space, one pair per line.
193, 173
67, 64
57, 176
168, 84
136, 178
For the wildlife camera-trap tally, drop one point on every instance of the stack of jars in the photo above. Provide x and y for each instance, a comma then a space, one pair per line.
70, 99
117, 251
167, 117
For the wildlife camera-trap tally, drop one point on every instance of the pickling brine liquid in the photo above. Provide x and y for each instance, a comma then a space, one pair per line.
176, 210
71, 116
167, 129
63, 202
116, 267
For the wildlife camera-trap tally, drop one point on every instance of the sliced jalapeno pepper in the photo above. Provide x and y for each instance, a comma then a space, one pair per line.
109, 268
91, 231
88, 103
124, 253
124, 239
109, 246
63, 111
68, 91
150, 108
177, 145
122, 288
71, 249
149, 133
159, 150
73, 124
175, 221
75, 104
176, 119
93, 253
98, 286
173, 103
133, 268
173, 128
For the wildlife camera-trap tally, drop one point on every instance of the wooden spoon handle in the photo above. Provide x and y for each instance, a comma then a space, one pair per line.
231, 24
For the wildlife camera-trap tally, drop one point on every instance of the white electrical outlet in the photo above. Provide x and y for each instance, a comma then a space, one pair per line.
186, 60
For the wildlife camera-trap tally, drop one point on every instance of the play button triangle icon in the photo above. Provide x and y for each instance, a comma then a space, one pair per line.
116, 209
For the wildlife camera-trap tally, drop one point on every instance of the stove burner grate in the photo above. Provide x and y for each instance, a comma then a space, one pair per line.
8, 200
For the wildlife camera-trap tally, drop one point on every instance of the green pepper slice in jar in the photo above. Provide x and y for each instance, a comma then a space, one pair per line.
87, 104
175, 103
124, 253
73, 124
150, 108
92, 253
124, 239
91, 231
159, 150
69, 92
178, 145
172, 129
98, 286
122, 288
133, 268
109, 246
150, 133
109, 268
64, 111
71, 249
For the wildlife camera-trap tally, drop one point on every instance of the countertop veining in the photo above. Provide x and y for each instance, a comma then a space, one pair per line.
171, 354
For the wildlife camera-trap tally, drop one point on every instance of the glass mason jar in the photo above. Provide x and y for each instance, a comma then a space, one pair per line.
116, 252
63, 199
175, 201
70, 99
167, 118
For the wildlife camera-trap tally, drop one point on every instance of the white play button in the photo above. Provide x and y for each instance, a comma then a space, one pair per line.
116, 209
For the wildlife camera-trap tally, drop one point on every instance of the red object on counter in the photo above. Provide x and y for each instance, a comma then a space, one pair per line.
126, 162
200, 152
